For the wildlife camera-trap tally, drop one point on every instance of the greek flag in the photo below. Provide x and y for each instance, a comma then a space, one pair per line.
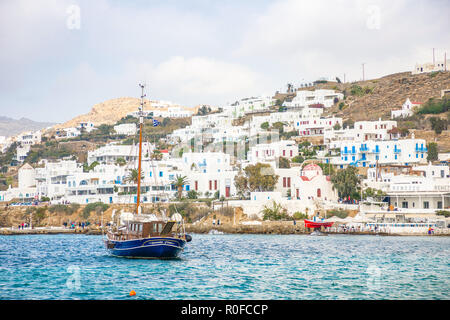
155, 122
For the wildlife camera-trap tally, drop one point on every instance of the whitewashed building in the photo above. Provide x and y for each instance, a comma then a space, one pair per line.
127, 129
371, 152
406, 110
271, 151
305, 98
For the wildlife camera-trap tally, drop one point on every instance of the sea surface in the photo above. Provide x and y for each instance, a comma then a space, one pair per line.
229, 267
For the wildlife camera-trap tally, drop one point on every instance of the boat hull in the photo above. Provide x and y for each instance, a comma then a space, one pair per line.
146, 248
317, 224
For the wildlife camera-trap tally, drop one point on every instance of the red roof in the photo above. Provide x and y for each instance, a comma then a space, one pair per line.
416, 102
164, 151
304, 178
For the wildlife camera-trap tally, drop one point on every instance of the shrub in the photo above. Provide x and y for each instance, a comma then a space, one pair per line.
435, 106
438, 125
300, 216
338, 213
98, 207
60, 208
444, 213
277, 212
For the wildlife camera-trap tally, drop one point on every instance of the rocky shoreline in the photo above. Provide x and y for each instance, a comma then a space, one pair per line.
266, 227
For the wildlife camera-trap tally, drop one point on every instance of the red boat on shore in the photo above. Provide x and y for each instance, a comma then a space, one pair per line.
317, 224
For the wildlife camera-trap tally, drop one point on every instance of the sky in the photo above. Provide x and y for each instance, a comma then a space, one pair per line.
60, 57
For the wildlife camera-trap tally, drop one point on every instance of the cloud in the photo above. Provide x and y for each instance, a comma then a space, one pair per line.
333, 37
196, 52
200, 79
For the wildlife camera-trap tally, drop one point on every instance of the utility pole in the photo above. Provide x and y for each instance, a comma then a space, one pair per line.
433, 56
363, 70
445, 61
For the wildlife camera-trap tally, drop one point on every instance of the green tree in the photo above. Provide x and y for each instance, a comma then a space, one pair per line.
121, 162
347, 182
265, 125
261, 177
133, 176
432, 151
284, 163
438, 125
179, 182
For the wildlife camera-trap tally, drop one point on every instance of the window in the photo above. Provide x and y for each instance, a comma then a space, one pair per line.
439, 204
426, 205
405, 204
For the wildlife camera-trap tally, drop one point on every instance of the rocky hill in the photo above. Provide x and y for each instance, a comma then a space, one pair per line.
387, 93
111, 111
10, 127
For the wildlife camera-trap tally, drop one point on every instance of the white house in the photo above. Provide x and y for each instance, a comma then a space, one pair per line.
418, 192
316, 126
406, 110
271, 151
305, 98
371, 152
86, 126
126, 129
430, 67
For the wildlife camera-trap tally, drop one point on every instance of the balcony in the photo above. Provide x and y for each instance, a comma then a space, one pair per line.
421, 149
397, 151
364, 149
376, 151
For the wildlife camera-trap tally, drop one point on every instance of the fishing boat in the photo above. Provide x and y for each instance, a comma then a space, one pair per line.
317, 224
146, 235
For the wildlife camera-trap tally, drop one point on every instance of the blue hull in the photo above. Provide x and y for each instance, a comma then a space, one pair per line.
155, 247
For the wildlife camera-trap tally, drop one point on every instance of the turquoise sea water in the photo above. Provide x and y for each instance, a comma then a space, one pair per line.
229, 267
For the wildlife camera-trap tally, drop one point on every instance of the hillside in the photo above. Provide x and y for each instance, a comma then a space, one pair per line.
10, 127
388, 93
111, 111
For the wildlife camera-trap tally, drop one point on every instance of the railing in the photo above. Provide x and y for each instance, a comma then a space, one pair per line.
421, 149
376, 151
363, 149
397, 150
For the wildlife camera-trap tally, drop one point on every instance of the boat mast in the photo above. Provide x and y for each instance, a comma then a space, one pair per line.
141, 124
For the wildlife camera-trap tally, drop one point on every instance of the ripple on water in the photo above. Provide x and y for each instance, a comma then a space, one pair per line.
229, 267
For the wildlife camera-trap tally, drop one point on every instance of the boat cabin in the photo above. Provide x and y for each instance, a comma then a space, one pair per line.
138, 229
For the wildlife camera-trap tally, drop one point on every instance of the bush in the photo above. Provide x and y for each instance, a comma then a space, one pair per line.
435, 106
277, 212
300, 216
192, 194
438, 125
338, 213
444, 213
61, 208
98, 207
